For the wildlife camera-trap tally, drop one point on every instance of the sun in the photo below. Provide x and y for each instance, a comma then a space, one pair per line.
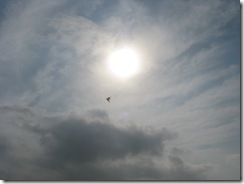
124, 62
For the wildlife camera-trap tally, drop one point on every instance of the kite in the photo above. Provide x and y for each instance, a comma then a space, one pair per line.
108, 99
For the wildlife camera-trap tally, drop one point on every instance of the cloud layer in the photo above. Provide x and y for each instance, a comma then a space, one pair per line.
68, 148
178, 119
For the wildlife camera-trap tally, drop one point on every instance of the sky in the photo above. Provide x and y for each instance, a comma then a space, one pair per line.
178, 118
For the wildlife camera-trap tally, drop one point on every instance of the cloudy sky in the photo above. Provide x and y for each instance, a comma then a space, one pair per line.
177, 118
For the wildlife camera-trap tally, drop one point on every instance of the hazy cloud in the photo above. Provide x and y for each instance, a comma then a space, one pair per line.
178, 119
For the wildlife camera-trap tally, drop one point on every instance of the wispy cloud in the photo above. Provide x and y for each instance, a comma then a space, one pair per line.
54, 81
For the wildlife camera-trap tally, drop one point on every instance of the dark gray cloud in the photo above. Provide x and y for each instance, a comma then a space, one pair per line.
100, 141
73, 148
4, 147
183, 171
138, 172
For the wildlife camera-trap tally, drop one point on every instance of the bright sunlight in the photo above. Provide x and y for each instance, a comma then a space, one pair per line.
124, 63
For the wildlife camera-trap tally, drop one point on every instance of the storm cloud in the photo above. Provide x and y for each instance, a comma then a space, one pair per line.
75, 149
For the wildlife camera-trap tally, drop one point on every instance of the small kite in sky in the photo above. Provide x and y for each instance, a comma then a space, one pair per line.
108, 99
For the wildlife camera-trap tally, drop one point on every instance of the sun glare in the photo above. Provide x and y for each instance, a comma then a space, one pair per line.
124, 63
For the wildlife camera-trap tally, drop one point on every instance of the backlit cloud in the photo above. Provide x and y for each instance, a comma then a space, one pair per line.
177, 119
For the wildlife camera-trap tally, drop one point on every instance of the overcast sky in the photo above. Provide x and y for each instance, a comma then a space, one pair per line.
178, 118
